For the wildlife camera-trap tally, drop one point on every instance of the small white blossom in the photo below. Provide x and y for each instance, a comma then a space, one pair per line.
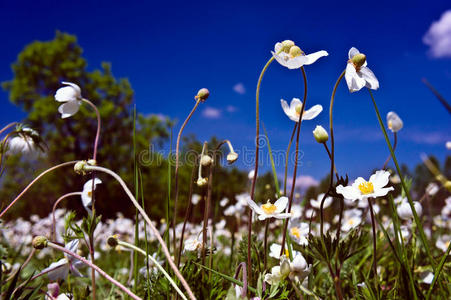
358, 74
269, 210
292, 57
394, 122
294, 110
71, 96
405, 212
86, 194
362, 189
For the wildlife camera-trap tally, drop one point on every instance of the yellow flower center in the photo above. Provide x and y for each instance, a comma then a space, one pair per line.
366, 188
296, 232
269, 208
90, 194
390, 124
351, 222
295, 51
287, 254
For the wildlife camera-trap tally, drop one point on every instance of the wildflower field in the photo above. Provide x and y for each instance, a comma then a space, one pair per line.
104, 218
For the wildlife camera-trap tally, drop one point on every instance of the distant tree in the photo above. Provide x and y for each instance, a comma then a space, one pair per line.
38, 72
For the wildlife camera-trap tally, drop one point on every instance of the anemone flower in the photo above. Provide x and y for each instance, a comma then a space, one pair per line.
362, 189
394, 122
269, 210
86, 194
291, 56
358, 74
71, 96
293, 111
60, 269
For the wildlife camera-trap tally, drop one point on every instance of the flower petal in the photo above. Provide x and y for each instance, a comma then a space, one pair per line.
312, 112
380, 179
257, 209
59, 270
72, 246
353, 79
285, 107
89, 184
381, 192
281, 204
348, 192
370, 78
312, 57
352, 52
69, 108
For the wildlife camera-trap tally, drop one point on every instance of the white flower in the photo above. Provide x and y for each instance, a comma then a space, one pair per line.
71, 95
224, 201
299, 267
296, 211
432, 189
394, 122
21, 144
292, 57
299, 232
351, 219
274, 251
443, 242
362, 189
269, 210
294, 110
60, 269
358, 74
275, 276
448, 145
195, 199
193, 244
317, 203
405, 212
251, 174
427, 277
86, 194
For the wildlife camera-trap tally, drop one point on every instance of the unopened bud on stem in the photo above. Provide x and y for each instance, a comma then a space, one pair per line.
39, 242
202, 94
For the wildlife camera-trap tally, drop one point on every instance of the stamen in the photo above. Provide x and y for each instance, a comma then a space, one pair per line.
269, 208
366, 188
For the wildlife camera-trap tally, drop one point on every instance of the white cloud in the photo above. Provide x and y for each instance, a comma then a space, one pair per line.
239, 88
211, 113
231, 108
438, 36
427, 137
303, 182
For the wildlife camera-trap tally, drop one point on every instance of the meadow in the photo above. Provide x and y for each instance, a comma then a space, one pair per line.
192, 227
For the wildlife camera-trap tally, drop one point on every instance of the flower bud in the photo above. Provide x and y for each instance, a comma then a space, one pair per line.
320, 134
295, 51
286, 45
201, 181
394, 122
92, 162
202, 94
112, 241
358, 60
232, 157
39, 242
79, 167
206, 160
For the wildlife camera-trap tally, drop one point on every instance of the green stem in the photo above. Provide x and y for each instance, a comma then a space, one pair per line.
155, 262
404, 186
438, 271
254, 179
293, 184
286, 159
373, 226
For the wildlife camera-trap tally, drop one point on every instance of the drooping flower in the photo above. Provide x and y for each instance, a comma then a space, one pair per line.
269, 210
405, 212
293, 111
86, 194
358, 74
60, 269
394, 122
317, 203
362, 189
291, 56
71, 96
27, 142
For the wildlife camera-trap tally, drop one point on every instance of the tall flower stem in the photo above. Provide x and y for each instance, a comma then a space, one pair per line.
286, 159
53, 232
404, 186
293, 185
373, 225
149, 222
332, 153
96, 141
7, 127
33, 182
176, 173
187, 214
395, 142
254, 179
96, 268
266, 243
155, 262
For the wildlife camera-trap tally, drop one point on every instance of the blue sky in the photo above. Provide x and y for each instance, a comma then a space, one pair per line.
170, 50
